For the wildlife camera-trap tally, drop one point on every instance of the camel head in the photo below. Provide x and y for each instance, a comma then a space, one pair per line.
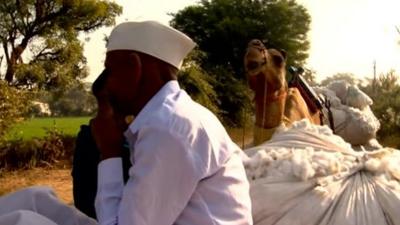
264, 67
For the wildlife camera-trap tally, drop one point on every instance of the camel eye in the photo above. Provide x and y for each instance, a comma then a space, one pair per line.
252, 65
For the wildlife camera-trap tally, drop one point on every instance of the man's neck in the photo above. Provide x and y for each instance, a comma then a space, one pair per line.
148, 91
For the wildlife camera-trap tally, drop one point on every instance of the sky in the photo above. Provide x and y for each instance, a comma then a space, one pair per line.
346, 36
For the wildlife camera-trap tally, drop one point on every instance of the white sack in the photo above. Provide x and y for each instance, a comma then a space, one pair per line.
356, 98
349, 95
352, 116
339, 87
307, 175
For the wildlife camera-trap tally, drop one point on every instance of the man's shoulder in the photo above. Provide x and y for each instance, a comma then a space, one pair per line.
177, 113
182, 116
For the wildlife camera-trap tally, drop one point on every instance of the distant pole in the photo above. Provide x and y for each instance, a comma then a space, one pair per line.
374, 80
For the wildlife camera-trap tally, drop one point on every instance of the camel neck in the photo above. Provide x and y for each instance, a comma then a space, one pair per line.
270, 109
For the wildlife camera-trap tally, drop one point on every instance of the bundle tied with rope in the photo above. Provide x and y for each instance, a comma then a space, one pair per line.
352, 116
308, 170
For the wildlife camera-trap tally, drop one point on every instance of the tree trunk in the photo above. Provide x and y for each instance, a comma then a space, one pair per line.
10, 71
15, 55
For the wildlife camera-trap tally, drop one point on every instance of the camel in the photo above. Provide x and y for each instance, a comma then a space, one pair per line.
274, 101
285, 171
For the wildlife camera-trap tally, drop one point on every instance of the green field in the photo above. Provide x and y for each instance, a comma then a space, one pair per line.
37, 127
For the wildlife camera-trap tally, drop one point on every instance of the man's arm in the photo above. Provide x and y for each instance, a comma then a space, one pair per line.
109, 190
109, 139
162, 180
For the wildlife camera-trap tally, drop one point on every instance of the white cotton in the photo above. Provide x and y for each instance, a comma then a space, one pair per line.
302, 166
286, 156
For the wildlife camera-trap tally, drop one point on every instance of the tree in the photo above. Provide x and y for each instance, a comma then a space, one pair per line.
13, 106
348, 77
197, 82
199, 85
310, 75
385, 93
74, 101
222, 29
49, 30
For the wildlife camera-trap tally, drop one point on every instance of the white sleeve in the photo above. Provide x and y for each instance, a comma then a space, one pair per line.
109, 190
163, 178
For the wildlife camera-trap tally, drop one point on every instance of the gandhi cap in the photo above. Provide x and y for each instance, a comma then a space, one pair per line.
152, 38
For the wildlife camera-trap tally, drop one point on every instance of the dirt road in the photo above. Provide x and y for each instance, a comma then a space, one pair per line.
59, 179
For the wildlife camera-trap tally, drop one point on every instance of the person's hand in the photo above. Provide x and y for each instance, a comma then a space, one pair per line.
107, 131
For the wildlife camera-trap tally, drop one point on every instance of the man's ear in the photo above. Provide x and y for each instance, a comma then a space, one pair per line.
135, 63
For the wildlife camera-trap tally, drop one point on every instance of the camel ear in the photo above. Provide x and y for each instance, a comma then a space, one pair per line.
279, 60
283, 52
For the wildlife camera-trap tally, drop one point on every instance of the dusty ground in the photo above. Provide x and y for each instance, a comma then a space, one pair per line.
57, 178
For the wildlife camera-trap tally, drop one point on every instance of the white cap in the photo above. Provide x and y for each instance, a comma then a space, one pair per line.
152, 38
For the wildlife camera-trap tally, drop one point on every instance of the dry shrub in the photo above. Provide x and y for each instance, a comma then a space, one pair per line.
25, 154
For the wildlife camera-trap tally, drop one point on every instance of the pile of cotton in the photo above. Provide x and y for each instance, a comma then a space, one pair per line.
298, 164
308, 170
352, 116
350, 95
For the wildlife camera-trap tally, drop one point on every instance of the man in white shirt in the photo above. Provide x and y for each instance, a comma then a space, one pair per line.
186, 169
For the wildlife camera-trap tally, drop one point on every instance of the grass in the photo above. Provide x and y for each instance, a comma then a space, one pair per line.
37, 127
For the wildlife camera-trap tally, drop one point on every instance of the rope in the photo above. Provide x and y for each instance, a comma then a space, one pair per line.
264, 103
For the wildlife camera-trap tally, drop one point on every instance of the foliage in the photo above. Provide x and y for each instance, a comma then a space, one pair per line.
348, 77
222, 29
234, 97
199, 86
13, 105
66, 65
49, 30
385, 92
310, 76
77, 100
